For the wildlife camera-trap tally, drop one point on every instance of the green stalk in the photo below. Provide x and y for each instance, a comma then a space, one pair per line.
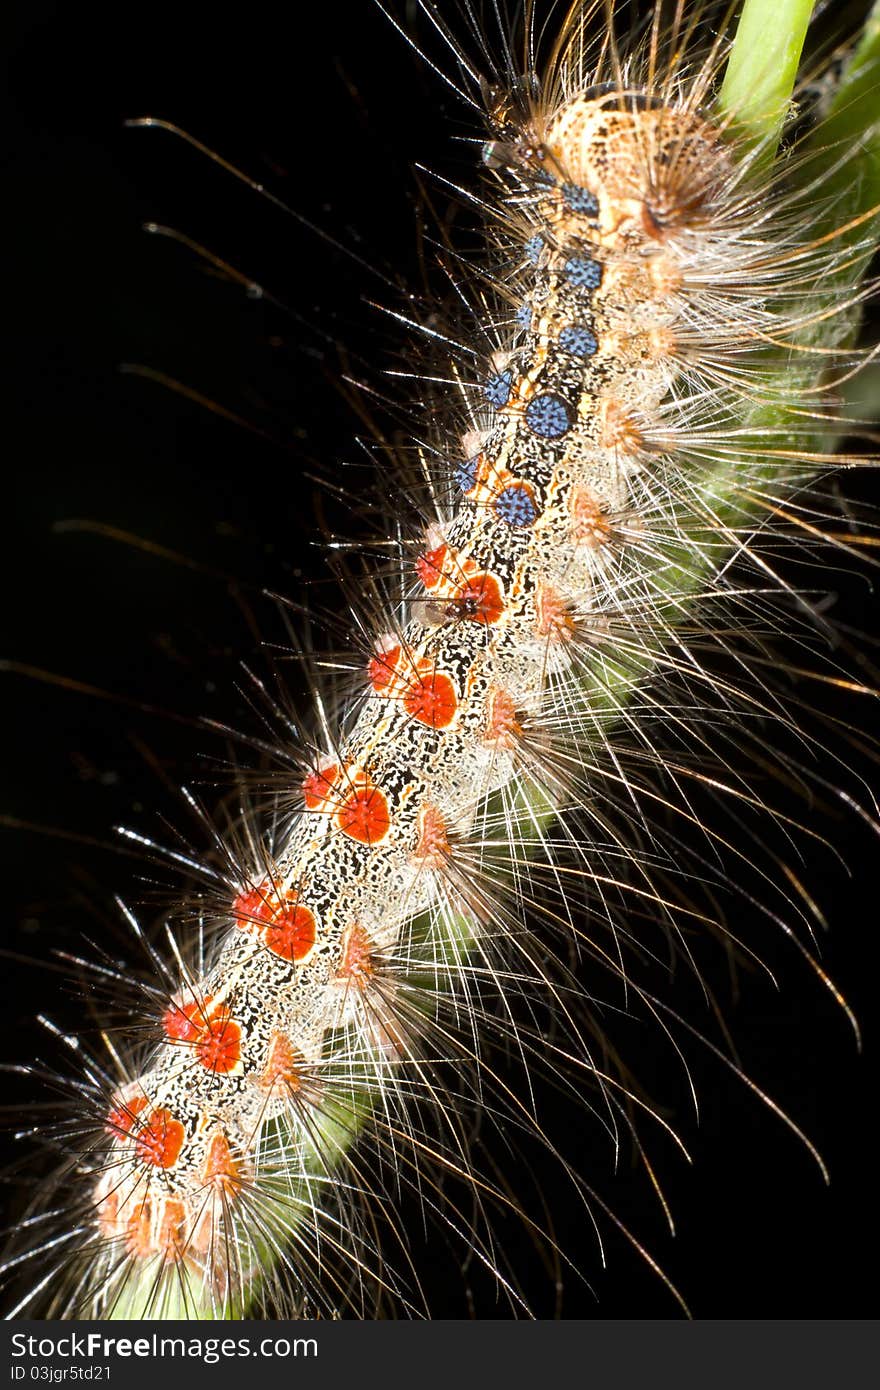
762, 68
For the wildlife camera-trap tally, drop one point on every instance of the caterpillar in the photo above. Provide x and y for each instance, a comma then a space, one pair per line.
159, 1230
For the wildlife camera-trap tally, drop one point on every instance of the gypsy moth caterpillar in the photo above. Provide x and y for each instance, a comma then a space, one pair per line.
321, 417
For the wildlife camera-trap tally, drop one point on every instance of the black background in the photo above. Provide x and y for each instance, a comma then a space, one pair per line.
331, 117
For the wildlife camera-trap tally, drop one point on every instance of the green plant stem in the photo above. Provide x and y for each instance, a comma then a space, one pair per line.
762, 68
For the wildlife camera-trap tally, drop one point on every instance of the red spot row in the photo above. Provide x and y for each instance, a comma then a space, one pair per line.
283, 924
156, 1222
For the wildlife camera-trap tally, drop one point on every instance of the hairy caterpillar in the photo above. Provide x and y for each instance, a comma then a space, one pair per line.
319, 431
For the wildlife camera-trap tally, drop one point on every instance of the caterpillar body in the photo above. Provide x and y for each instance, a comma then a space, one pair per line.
479, 859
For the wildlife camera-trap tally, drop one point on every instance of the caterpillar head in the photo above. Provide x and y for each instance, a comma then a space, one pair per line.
654, 166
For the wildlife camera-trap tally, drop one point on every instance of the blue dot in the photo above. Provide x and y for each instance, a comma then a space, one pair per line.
579, 340
580, 199
524, 315
466, 473
497, 389
516, 506
533, 248
583, 272
547, 416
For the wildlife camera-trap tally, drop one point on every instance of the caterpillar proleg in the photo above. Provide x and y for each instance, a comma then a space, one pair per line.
567, 762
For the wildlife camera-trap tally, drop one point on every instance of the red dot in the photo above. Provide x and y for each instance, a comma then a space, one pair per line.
429, 567
292, 932
283, 924
219, 1046
381, 668
215, 1036
252, 905
479, 600
318, 786
160, 1140
184, 1022
431, 698
364, 815
122, 1118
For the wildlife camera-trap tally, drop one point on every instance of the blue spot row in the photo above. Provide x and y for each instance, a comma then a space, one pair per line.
547, 416
466, 473
579, 340
515, 505
524, 315
583, 272
533, 248
580, 199
497, 389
